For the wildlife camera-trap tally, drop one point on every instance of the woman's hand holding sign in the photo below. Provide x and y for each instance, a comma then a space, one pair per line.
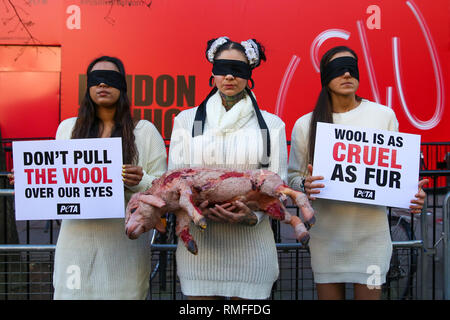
132, 175
420, 198
11, 177
311, 188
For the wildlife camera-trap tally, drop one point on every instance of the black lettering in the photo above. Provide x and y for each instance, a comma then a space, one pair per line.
391, 141
168, 121
185, 91
381, 177
399, 142
49, 158
351, 176
63, 155
27, 158
129, 80
394, 178
364, 139
143, 90
380, 139
339, 134
105, 157
38, 158
77, 155
369, 175
337, 173
165, 90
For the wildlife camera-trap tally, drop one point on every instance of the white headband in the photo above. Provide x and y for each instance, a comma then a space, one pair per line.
215, 45
251, 51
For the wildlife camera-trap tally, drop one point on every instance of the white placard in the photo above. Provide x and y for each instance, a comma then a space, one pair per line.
367, 165
68, 179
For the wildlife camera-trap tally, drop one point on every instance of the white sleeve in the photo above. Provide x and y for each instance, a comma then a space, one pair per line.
152, 157
298, 158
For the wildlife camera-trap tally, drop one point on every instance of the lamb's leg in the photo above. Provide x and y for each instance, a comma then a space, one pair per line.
276, 210
143, 214
192, 210
301, 201
182, 231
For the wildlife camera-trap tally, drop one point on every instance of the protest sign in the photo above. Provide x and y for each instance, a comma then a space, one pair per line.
68, 179
367, 165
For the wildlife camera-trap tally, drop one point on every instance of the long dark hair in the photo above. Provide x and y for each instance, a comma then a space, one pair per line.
323, 111
88, 125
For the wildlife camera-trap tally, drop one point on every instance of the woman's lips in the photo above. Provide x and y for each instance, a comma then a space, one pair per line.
103, 93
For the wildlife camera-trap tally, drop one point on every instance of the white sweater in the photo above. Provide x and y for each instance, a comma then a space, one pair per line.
348, 238
111, 266
233, 259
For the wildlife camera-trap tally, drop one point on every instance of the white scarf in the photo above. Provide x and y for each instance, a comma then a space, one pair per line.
220, 121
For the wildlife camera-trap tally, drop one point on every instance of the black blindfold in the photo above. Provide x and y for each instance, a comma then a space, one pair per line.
338, 67
236, 68
111, 78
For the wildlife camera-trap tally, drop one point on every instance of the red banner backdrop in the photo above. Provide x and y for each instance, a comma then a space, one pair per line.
403, 48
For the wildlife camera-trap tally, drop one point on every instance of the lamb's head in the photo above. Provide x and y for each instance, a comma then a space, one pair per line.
143, 213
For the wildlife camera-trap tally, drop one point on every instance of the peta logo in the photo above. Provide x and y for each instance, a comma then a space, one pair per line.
364, 194
68, 208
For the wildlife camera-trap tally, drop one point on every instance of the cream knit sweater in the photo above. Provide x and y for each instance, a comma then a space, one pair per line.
110, 265
233, 259
350, 242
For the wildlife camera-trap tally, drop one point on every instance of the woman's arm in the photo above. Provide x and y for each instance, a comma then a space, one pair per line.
151, 163
298, 158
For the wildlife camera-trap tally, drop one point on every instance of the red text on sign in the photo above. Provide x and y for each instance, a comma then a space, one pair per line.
371, 155
41, 176
85, 175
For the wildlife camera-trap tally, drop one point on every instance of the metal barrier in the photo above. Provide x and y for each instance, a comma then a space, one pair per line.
446, 222
295, 282
292, 259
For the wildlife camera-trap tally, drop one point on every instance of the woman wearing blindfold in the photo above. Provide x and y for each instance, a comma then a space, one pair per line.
237, 256
111, 266
348, 239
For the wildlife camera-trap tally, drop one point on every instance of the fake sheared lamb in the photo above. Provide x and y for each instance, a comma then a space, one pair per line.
181, 191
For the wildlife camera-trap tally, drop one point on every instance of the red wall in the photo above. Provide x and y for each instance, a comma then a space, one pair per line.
165, 42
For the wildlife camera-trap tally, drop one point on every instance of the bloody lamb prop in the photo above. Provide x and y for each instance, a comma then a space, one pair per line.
181, 191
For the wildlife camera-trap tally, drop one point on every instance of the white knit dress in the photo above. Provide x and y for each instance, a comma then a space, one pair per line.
111, 266
234, 260
350, 242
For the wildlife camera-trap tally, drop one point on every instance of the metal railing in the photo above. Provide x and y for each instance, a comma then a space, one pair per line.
446, 235
295, 281
296, 251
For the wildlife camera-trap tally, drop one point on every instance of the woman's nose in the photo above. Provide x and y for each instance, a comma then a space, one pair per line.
229, 76
347, 74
